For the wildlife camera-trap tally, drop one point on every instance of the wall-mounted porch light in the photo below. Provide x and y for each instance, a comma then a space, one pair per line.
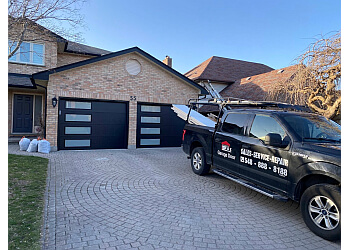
54, 101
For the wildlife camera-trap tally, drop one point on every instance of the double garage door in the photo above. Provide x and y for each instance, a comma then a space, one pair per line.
93, 124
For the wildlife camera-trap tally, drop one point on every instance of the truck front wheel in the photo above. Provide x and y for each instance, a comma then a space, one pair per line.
198, 162
320, 207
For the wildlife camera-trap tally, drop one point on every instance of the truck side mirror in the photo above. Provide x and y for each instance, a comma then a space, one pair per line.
273, 139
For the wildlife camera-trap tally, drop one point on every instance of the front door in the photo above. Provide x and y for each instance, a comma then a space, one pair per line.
23, 114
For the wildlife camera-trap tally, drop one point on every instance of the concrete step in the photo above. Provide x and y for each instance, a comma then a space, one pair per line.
16, 139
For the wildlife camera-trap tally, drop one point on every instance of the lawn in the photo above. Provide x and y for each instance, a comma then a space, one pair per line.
26, 188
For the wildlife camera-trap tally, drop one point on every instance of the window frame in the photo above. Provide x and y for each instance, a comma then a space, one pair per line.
280, 123
245, 126
17, 55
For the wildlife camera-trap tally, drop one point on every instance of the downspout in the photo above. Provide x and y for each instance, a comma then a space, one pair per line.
45, 112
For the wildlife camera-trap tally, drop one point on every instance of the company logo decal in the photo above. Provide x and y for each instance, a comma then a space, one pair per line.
225, 146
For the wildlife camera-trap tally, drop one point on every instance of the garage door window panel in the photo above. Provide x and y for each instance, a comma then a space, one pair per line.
78, 105
150, 142
145, 119
148, 108
77, 143
77, 130
150, 131
78, 118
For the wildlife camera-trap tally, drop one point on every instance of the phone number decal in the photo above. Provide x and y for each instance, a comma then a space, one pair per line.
247, 157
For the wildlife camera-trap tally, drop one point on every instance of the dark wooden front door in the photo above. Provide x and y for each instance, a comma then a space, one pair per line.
23, 114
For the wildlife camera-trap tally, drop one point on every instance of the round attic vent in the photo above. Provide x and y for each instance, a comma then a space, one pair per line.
133, 67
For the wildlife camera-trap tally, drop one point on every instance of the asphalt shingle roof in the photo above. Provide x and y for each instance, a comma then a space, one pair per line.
226, 70
74, 47
20, 81
255, 87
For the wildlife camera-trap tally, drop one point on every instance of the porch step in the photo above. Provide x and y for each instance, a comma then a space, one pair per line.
250, 185
16, 139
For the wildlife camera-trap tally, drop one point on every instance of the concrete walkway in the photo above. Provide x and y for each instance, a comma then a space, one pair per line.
150, 199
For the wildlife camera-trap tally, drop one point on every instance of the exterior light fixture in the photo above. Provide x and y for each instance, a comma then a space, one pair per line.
54, 101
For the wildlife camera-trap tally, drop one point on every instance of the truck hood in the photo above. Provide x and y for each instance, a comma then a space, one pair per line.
327, 152
327, 148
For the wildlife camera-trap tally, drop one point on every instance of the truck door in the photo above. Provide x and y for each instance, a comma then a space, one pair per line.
266, 149
227, 141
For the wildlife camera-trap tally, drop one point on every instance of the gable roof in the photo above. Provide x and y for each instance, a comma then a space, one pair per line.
256, 87
31, 24
20, 81
69, 46
228, 70
44, 75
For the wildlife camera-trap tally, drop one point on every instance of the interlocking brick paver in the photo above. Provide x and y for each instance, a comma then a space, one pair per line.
150, 199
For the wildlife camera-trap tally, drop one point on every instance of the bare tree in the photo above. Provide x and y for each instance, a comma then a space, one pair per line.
30, 16
317, 80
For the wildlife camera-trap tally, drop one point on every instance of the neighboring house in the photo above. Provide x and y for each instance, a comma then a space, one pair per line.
222, 72
256, 87
104, 100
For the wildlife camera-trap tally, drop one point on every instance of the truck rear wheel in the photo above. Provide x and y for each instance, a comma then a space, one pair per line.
320, 207
198, 162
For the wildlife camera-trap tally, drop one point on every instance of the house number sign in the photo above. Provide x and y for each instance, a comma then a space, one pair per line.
133, 98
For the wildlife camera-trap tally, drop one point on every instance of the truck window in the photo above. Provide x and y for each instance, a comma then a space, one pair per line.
263, 125
235, 123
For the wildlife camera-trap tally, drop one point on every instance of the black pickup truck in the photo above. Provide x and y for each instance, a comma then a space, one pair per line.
276, 149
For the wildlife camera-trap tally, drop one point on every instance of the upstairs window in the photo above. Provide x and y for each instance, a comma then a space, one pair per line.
29, 53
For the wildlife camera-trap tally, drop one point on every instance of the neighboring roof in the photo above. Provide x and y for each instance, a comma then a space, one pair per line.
255, 87
73, 47
44, 75
20, 81
228, 70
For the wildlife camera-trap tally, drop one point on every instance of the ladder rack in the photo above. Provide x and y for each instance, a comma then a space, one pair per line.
229, 103
208, 87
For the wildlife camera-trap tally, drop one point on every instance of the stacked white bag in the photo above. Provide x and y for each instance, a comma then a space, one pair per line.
44, 146
24, 144
33, 146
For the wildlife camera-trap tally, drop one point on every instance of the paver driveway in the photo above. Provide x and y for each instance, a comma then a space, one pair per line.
149, 198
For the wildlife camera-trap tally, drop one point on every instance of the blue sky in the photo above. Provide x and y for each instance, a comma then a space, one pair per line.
272, 32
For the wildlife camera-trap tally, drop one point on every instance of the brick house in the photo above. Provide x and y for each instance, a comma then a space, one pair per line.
104, 100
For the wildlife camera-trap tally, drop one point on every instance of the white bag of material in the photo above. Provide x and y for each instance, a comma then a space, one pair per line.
44, 146
24, 144
33, 146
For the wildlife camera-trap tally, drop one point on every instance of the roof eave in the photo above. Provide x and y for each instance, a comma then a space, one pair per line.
44, 75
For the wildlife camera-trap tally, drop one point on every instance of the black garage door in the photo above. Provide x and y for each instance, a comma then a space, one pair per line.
158, 126
91, 124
